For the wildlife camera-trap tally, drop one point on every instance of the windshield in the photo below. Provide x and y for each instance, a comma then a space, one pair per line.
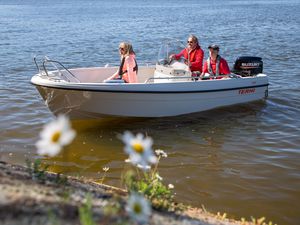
168, 48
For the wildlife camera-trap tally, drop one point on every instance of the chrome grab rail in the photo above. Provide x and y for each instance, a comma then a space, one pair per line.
36, 64
44, 70
53, 62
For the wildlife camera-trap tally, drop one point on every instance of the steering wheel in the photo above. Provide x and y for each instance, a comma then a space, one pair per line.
170, 60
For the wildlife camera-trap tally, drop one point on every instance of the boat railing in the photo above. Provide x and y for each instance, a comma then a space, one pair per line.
192, 78
67, 76
140, 63
171, 78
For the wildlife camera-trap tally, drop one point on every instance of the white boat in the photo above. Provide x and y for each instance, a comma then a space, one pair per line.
165, 89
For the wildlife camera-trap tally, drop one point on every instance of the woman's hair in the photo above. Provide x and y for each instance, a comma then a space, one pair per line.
194, 38
128, 50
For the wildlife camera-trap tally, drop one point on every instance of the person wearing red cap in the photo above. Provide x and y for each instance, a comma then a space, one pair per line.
193, 54
215, 64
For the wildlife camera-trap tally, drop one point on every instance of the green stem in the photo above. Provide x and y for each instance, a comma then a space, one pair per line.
155, 168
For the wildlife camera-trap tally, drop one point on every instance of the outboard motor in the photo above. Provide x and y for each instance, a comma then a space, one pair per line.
248, 66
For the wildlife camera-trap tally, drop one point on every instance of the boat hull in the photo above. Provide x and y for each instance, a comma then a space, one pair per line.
150, 100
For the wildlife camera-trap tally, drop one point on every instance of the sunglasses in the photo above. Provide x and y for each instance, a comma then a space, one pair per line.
190, 42
122, 49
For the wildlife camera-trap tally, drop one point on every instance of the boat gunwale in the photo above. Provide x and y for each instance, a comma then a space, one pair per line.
149, 92
261, 80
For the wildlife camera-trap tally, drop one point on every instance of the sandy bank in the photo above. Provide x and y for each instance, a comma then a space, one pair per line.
24, 200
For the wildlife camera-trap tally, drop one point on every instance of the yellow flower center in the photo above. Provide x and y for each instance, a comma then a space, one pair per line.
137, 147
137, 208
56, 136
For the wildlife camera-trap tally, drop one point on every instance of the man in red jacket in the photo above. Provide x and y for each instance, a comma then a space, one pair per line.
193, 54
215, 64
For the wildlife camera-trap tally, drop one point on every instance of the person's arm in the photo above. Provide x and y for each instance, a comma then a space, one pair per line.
224, 68
197, 64
179, 55
204, 70
129, 65
114, 76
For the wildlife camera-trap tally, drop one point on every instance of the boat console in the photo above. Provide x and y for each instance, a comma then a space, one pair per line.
174, 71
171, 70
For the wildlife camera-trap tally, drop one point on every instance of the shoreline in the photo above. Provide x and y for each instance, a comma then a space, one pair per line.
24, 200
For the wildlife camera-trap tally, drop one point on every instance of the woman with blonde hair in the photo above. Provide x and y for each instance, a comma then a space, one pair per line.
128, 68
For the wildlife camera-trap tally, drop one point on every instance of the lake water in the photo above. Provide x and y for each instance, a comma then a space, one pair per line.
243, 160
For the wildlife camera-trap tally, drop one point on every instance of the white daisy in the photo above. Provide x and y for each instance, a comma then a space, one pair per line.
105, 169
54, 136
127, 161
158, 177
139, 149
138, 208
161, 153
171, 186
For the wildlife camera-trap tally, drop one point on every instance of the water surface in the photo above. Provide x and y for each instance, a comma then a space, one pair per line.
243, 160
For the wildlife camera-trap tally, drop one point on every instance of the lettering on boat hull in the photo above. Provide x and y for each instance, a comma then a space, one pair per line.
247, 91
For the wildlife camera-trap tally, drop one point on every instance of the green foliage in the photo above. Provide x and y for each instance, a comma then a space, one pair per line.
65, 194
52, 218
61, 179
86, 213
36, 170
261, 221
152, 188
114, 207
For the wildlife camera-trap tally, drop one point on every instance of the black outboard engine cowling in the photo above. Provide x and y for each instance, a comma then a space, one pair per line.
248, 66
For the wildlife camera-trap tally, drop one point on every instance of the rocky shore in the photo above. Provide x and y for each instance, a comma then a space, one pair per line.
56, 200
